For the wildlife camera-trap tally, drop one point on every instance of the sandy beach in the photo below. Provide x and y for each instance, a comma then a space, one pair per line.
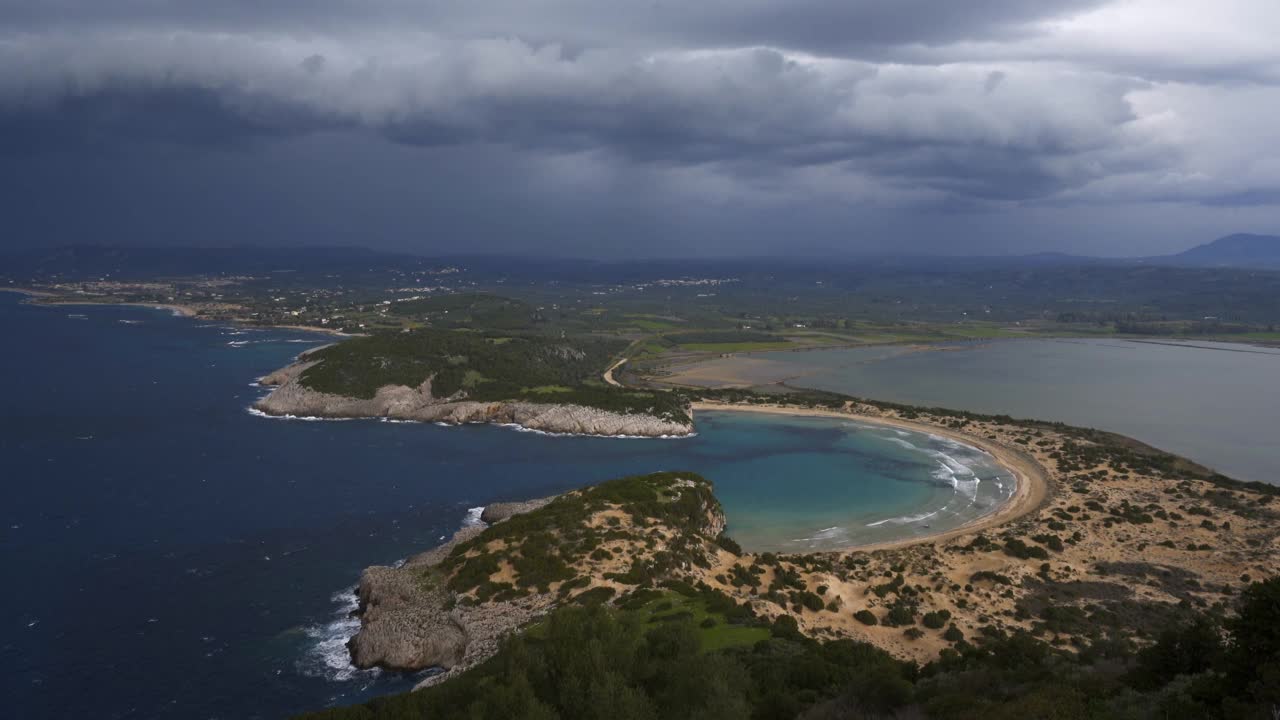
1033, 483
1105, 528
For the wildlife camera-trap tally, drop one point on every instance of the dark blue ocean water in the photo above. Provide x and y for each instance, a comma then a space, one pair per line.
167, 554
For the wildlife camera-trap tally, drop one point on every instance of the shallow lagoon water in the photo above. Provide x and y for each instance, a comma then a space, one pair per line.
170, 555
1216, 403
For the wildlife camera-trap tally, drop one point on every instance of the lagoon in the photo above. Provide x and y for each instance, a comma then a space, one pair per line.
1216, 403
171, 555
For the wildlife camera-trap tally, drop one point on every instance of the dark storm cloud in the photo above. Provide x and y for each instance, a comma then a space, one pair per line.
750, 106
834, 112
822, 26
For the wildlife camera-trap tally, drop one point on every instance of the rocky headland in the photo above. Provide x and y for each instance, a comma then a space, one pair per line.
449, 607
290, 397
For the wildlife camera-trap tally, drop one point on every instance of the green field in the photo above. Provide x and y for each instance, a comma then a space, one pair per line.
717, 634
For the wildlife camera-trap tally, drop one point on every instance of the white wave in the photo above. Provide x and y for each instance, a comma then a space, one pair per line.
905, 519
307, 418
834, 533
473, 517
328, 656
518, 428
903, 443
546, 433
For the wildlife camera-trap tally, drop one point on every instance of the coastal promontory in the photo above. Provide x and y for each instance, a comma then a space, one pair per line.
449, 607
460, 377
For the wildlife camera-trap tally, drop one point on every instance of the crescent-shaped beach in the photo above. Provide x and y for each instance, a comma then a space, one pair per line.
1032, 478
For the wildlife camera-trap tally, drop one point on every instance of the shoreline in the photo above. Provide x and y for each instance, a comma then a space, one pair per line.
186, 311
689, 372
1033, 484
289, 397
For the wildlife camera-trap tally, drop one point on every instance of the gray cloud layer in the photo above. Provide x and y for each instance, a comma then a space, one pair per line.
761, 105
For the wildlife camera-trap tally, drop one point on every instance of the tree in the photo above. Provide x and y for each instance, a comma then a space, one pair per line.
1254, 652
1187, 649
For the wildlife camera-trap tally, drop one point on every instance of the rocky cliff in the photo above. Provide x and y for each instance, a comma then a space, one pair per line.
410, 619
450, 606
399, 402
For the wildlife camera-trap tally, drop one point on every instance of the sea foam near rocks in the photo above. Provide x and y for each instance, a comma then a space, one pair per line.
328, 657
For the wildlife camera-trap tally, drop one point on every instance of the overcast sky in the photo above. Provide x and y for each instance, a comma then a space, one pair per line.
616, 129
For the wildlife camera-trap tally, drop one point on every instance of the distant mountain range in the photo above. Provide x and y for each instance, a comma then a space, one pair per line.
90, 261
1240, 251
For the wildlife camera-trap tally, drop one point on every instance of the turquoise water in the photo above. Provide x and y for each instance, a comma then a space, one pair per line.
799, 484
171, 555
1217, 403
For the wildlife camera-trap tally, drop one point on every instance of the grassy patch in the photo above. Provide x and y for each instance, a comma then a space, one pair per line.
716, 635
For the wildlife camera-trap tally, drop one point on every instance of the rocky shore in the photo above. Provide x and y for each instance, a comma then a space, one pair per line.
410, 620
399, 402
441, 610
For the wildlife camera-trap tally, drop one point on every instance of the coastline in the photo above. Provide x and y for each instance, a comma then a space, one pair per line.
1032, 491
27, 291
186, 311
289, 397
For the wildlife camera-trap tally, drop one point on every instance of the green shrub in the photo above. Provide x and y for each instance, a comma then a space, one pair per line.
935, 620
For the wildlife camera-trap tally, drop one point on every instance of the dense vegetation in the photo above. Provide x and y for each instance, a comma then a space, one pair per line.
649, 660
484, 366
543, 544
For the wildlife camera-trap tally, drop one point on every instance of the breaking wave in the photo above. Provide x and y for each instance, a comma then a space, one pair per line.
327, 655
951, 471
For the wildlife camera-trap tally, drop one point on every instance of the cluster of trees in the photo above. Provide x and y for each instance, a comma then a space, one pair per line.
486, 367
542, 544
481, 363
608, 663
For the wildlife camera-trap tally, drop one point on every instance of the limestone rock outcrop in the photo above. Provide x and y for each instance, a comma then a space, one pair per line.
399, 402
409, 621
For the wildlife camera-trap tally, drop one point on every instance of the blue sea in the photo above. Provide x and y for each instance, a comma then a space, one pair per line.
168, 554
